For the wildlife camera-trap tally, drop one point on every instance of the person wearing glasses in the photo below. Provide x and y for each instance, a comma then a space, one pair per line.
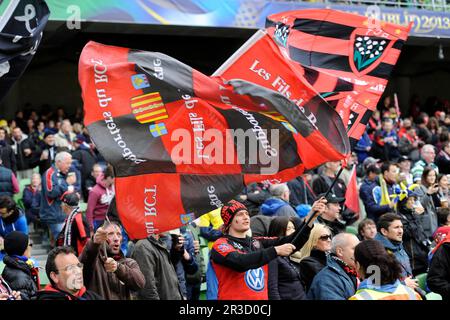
65, 273
339, 279
313, 255
19, 271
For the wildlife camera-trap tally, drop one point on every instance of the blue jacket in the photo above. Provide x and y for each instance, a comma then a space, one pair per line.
53, 186
19, 225
277, 207
331, 283
373, 209
398, 251
361, 147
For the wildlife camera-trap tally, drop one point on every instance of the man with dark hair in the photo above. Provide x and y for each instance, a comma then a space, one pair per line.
12, 219
107, 271
65, 273
76, 231
379, 202
390, 234
241, 262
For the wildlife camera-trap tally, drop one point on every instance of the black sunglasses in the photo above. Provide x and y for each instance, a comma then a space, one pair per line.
324, 238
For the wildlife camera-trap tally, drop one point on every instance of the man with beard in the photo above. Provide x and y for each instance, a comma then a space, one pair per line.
65, 273
107, 271
12, 219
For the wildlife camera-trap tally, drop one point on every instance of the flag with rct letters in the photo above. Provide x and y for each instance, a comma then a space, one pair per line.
347, 58
21, 30
188, 143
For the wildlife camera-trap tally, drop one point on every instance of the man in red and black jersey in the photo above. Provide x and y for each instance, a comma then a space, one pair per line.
240, 262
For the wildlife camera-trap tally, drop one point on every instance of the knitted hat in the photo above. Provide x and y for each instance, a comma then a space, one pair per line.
15, 243
229, 211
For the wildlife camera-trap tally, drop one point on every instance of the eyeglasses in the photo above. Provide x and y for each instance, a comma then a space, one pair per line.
325, 237
72, 267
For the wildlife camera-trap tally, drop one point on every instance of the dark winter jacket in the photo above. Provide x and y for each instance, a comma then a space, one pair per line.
32, 202
25, 162
285, 280
311, 266
415, 240
53, 186
154, 260
335, 226
301, 192
20, 276
7, 156
438, 278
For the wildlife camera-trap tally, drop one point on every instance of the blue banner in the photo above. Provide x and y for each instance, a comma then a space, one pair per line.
232, 13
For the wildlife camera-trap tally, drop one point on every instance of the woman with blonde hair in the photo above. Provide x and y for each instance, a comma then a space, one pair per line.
313, 255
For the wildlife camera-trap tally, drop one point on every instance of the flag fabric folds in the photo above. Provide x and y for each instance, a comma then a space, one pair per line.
352, 193
182, 143
21, 30
346, 57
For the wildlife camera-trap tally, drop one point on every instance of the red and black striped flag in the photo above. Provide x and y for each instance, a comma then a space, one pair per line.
182, 143
335, 48
21, 29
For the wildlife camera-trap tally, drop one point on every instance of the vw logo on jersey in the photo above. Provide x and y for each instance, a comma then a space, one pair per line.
254, 279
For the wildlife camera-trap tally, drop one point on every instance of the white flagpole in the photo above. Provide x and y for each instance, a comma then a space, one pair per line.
8, 13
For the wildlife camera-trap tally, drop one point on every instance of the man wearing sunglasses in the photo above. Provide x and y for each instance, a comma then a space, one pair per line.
65, 273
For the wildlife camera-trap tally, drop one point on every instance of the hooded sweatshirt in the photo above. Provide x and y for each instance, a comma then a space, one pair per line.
99, 199
277, 207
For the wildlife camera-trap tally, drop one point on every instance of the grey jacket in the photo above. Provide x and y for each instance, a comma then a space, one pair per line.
161, 281
428, 219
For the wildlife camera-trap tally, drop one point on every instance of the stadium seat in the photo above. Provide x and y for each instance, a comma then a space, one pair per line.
422, 279
2, 265
43, 277
433, 296
352, 230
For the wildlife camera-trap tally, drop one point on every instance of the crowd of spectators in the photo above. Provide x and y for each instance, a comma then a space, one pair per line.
257, 246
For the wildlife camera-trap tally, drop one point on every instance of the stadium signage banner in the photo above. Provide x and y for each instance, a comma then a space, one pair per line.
232, 13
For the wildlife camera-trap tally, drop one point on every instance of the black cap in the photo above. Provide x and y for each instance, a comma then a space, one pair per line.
331, 198
15, 243
404, 158
71, 199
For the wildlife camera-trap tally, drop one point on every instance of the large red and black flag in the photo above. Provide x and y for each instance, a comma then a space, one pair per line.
182, 143
346, 57
21, 29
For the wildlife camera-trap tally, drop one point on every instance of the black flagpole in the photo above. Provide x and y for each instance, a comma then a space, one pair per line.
313, 215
